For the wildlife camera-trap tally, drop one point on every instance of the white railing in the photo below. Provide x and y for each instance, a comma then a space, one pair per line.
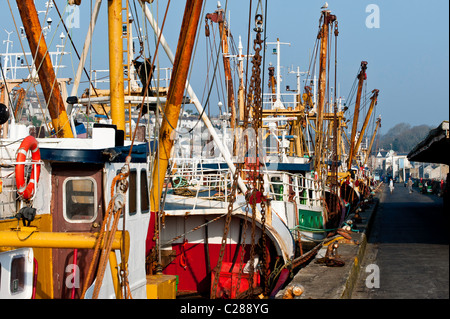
286, 99
102, 76
191, 179
301, 189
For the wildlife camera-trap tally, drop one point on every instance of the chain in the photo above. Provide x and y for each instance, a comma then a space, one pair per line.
255, 179
264, 261
244, 235
225, 232
257, 120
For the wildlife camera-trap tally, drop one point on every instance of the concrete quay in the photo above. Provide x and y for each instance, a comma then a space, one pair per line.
322, 282
402, 253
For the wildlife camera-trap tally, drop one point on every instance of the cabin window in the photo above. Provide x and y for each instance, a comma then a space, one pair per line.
132, 192
17, 282
132, 197
80, 198
277, 186
145, 202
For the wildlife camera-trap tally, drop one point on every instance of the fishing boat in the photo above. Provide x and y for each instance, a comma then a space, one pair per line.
106, 210
207, 208
75, 209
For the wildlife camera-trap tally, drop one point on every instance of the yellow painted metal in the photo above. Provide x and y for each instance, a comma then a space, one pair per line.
341, 175
366, 120
177, 85
321, 98
31, 237
44, 256
115, 274
361, 78
116, 63
161, 286
369, 149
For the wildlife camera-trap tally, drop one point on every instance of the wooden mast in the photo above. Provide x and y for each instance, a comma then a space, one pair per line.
174, 98
43, 64
361, 77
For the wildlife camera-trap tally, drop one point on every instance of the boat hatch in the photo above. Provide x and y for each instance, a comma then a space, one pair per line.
16, 274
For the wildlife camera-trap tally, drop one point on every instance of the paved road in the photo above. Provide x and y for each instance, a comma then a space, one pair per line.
408, 244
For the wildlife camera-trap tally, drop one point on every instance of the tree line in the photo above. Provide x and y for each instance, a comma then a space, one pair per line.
403, 137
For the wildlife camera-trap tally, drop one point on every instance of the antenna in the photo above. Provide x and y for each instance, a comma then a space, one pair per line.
277, 52
6, 59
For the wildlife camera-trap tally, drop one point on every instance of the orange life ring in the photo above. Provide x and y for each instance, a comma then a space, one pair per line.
28, 144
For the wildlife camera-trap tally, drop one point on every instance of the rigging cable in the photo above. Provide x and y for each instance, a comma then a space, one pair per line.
212, 80
32, 83
42, 62
148, 82
78, 55
207, 98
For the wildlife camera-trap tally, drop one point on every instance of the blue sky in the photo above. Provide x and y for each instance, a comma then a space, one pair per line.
408, 55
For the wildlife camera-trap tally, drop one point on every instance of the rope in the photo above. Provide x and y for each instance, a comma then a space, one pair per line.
149, 76
107, 237
209, 91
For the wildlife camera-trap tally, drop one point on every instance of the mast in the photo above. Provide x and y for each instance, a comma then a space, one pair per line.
218, 17
277, 100
369, 149
323, 34
241, 90
222, 148
366, 121
361, 77
174, 98
43, 63
116, 63
272, 82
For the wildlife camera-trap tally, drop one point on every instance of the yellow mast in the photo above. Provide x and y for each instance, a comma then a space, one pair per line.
116, 63
174, 98
272, 82
241, 91
323, 34
369, 149
361, 77
366, 120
